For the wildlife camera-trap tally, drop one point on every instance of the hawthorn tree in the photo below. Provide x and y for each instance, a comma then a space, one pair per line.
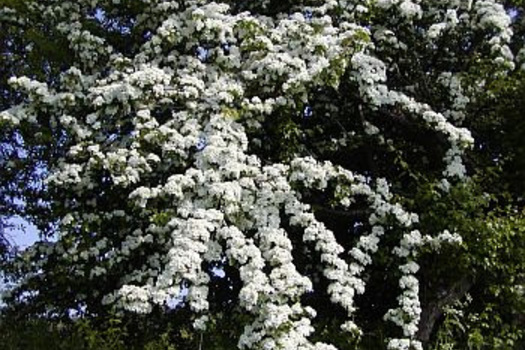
291, 174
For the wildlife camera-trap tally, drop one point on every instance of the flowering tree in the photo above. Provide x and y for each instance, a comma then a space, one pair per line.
269, 157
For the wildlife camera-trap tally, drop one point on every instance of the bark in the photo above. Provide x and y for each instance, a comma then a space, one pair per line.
434, 310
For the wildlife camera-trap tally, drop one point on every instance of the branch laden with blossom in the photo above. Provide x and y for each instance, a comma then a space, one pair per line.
161, 173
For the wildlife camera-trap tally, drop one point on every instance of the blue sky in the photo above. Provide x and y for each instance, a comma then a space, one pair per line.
22, 234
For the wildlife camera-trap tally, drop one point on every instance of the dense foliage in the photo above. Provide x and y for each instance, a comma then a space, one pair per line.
313, 174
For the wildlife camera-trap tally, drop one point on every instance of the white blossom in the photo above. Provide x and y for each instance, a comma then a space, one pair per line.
170, 130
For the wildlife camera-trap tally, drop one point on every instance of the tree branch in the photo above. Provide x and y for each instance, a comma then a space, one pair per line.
434, 310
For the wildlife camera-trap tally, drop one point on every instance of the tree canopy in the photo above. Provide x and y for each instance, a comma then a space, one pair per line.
309, 174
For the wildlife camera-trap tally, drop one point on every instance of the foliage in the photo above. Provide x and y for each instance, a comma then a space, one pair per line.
267, 175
